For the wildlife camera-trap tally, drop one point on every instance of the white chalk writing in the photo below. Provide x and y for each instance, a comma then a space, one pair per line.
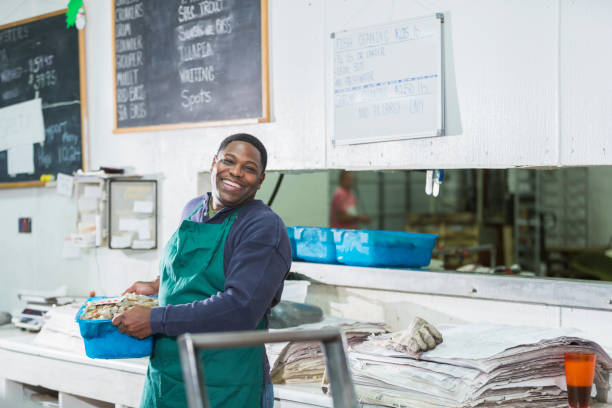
129, 13
52, 131
120, 3
129, 44
14, 34
197, 74
127, 78
192, 100
43, 79
10, 94
131, 94
195, 51
196, 11
129, 60
11, 74
200, 29
123, 30
69, 154
42, 61
138, 110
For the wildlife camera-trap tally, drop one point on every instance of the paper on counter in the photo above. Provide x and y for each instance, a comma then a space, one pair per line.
145, 207
64, 184
22, 123
20, 159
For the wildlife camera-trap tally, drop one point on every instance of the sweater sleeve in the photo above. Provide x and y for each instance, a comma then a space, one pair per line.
254, 274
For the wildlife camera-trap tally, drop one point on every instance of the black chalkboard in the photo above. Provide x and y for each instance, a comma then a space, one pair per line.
180, 63
40, 57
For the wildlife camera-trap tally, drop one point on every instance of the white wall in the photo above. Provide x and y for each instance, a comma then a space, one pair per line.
503, 84
586, 85
501, 79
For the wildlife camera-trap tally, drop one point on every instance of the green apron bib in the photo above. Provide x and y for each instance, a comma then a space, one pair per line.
191, 269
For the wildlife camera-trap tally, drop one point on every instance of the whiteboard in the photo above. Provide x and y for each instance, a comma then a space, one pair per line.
388, 81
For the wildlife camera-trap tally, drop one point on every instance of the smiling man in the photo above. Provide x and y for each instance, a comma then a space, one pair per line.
222, 270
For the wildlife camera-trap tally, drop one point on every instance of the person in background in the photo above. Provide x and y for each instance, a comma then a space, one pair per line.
222, 270
343, 210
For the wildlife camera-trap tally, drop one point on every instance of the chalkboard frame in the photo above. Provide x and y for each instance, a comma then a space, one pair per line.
82, 96
265, 88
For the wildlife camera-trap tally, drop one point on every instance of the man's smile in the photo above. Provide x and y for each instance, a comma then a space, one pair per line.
230, 185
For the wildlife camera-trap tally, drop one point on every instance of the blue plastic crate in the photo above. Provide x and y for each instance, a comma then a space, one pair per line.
103, 339
383, 248
315, 244
290, 232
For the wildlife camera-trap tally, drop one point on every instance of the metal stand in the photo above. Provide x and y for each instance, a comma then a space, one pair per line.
343, 392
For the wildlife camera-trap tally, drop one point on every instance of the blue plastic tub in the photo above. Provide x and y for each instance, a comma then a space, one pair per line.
383, 248
290, 232
103, 339
315, 244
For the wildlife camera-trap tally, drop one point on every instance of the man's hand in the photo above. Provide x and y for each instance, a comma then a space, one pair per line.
143, 288
420, 336
135, 322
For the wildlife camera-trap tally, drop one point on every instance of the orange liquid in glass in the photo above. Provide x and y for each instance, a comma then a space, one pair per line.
579, 373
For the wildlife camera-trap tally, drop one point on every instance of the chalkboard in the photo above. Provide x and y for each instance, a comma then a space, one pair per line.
185, 63
388, 81
41, 68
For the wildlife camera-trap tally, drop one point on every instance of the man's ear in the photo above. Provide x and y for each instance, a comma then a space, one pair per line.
261, 179
214, 162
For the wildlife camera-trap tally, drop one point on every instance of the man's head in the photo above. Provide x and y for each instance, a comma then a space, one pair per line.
237, 170
346, 179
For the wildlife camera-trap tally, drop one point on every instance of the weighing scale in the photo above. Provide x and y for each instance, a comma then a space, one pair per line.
32, 316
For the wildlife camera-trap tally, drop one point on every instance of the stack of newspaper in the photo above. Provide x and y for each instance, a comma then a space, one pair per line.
477, 365
304, 362
60, 330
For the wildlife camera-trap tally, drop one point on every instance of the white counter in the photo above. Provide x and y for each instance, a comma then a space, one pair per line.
76, 377
83, 382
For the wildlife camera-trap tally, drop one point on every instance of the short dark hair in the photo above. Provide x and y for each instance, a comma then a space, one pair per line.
245, 137
343, 174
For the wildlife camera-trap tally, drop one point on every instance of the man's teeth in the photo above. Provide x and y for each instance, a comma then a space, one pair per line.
231, 184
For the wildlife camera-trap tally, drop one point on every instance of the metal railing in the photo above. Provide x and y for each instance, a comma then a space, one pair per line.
338, 374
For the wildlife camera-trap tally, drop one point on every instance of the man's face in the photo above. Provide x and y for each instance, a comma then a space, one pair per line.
347, 181
236, 174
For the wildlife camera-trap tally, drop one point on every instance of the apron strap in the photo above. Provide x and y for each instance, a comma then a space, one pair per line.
194, 211
233, 216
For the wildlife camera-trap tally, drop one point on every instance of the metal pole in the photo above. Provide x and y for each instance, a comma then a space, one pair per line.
343, 392
191, 366
339, 376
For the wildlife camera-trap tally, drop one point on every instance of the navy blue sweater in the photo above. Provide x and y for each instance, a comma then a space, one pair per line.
256, 260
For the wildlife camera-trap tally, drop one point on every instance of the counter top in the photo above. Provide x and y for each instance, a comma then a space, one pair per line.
15, 339
546, 291
80, 375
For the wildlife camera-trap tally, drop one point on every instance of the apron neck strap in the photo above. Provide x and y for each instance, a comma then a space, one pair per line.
228, 219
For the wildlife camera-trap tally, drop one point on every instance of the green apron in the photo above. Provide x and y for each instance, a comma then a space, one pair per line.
191, 269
